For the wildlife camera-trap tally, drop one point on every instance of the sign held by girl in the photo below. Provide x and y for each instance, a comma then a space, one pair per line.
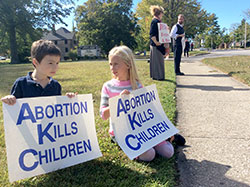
139, 121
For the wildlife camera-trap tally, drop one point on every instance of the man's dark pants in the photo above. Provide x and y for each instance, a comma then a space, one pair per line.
177, 58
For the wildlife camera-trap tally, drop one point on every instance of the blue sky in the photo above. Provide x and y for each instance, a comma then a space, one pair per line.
227, 11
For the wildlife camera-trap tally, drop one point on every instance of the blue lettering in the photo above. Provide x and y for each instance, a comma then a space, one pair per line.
87, 146
76, 109
58, 108
132, 121
137, 98
133, 105
59, 133
63, 147
74, 128
21, 160
129, 145
120, 107
54, 155
156, 130
50, 156
79, 148
71, 149
21, 117
152, 95
139, 138
39, 110
160, 127
151, 115
149, 138
43, 156
151, 132
84, 107
164, 124
66, 106
52, 111
127, 104
41, 133
66, 131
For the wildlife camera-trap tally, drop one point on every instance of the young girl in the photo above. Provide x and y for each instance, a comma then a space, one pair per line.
125, 79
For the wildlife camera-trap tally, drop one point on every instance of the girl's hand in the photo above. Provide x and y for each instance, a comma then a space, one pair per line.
9, 99
171, 139
71, 94
125, 92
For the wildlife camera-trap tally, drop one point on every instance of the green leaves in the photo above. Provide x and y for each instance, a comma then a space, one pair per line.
106, 23
21, 19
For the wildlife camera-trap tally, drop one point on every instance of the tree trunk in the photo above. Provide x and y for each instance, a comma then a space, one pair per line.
13, 45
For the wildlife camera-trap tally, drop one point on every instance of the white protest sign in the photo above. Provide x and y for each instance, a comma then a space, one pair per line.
139, 121
44, 134
164, 36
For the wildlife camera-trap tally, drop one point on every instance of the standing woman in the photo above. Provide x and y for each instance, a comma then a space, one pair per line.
157, 50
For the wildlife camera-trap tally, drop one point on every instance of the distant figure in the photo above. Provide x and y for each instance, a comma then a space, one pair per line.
192, 46
177, 33
186, 49
157, 50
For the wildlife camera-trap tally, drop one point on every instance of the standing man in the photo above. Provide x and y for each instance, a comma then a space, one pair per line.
177, 33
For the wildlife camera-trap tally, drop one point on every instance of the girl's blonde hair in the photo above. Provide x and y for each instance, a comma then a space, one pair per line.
128, 58
156, 10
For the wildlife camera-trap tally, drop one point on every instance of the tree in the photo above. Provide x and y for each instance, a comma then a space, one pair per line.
238, 31
106, 23
23, 17
144, 19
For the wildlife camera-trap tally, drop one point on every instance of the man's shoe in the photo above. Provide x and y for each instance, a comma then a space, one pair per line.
180, 73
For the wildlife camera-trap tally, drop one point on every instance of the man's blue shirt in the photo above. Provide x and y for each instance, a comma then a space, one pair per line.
27, 87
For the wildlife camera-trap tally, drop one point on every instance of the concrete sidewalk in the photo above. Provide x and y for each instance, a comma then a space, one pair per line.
214, 117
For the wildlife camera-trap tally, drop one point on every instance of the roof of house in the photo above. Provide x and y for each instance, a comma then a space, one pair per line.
59, 34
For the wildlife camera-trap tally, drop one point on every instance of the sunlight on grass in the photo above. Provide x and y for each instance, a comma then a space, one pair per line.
236, 66
114, 168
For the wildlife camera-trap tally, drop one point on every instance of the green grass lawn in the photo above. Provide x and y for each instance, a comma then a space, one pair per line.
236, 66
114, 168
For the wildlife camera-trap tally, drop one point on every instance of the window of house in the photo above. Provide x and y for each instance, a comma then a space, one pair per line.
65, 41
66, 49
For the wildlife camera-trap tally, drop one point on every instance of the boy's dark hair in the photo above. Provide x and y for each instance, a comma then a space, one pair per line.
41, 48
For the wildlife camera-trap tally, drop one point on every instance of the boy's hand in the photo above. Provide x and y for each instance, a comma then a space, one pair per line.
71, 94
125, 92
9, 99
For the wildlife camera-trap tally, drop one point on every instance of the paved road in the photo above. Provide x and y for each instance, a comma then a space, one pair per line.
214, 116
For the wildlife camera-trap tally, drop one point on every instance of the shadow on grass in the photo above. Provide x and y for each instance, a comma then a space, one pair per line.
167, 80
213, 88
99, 173
206, 75
236, 72
204, 173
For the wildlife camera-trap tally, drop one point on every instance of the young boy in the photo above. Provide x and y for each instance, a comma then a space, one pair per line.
45, 59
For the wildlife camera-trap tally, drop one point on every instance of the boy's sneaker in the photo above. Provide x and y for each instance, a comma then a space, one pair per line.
179, 140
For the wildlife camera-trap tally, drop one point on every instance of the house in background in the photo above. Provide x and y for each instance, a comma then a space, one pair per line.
64, 39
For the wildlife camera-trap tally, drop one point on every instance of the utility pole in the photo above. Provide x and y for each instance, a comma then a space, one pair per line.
245, 44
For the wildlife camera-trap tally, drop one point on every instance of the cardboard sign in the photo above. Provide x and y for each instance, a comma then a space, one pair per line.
164, 36
139, 121
44, 134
